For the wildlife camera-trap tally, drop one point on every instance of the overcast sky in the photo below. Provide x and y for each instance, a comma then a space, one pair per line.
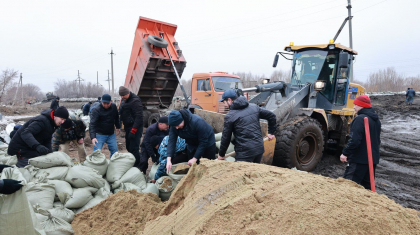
53, 39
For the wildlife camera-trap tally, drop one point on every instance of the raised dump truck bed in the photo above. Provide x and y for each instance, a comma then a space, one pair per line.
150, 74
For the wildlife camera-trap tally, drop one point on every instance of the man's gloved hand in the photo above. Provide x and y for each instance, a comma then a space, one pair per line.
3, 166
10, 186
42, 150
132, 134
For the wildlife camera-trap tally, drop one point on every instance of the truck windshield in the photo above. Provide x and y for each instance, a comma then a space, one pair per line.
226, 83
307, 66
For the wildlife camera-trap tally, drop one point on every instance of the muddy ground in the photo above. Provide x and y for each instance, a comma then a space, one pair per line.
397, 175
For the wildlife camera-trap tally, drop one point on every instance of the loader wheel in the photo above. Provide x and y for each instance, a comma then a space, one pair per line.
146, 115
157, 41
299, 143
154, 118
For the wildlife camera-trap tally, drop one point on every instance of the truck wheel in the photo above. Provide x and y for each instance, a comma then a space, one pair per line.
154, 118
146, 115
299, 143
157, 41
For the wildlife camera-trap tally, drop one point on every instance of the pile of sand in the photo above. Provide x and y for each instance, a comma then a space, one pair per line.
121, 213
219, 197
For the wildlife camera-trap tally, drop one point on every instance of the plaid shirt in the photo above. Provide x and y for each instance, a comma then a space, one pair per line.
180, 146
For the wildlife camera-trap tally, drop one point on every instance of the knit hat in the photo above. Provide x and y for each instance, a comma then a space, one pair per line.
362, 101
175, 118
106, 98
155, 140
163, 119
67, 124
61, 112
123, 91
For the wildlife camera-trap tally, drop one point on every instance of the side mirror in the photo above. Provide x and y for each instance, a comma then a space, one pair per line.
276, 59
343, 60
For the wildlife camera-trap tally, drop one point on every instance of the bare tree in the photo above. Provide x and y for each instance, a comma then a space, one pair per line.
6, 81
187, 86
71, 89
31, 93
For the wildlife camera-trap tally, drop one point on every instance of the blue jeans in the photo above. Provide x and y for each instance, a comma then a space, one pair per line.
110, 140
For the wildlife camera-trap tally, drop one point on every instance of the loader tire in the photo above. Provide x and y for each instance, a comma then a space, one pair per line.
299, 143
157, 41
146, 115
154, 117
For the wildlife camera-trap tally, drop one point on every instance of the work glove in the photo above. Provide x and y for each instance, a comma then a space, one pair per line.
10, 186
3, 166
42, 150
132, 134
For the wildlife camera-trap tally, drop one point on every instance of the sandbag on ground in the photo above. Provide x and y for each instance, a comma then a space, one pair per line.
120, 163
61, 187
101, 195
134, 176
165, 185
41, 193
51, 160
13, 173
12, 161
54, 225
62, 212
97, 161
80, 197
151, 188
127, 187
153, 170
82, 176
54, 173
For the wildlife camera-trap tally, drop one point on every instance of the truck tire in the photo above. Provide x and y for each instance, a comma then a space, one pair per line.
154, 117
146, 115
157, 41
299, 143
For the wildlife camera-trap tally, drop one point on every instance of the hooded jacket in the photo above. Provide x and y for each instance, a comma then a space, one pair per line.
356, 148
102, 120
36, 131
243, 120
198, 134
131, 113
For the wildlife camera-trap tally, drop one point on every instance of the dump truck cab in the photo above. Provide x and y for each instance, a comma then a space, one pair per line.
207, 89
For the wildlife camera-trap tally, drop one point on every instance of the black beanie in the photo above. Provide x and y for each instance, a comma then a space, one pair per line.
163, 119
61, 112
67, 124
155, 140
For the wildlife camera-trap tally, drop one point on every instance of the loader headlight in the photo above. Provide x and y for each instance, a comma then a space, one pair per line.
319, 85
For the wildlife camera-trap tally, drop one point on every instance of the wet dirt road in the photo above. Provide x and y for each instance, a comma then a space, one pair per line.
398, 173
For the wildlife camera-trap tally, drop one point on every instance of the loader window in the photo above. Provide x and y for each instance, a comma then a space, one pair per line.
226, 83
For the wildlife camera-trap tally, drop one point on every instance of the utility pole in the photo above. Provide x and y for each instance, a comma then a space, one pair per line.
112, 70
17, 88
97, 78
109, 86
351, 38
79, 79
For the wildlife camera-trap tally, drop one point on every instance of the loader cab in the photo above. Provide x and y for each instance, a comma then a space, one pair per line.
327, 66
207, 89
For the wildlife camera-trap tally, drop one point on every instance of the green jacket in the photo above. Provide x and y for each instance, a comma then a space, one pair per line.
77, 132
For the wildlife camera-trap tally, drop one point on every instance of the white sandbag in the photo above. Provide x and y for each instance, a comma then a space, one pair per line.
230, 149
32, 171
14, 174
120, 163
101, 195
165, 185
80, 197
51, 160
82, 176
12, 161
41, 218
128, 187
153, 170
26, 174
230, 159
134, 176
61, 187
62, 213
97, 161
54, 173
218, 137
107, 187
151, 188
176, 177
41, 193
16, 215
54, 225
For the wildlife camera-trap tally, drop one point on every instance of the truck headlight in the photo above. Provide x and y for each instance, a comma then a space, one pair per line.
319, 85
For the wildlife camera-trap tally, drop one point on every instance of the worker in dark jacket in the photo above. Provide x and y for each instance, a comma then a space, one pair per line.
86, 108
243, 120
198, 135
55, 103
72, 130
33, 139
147, 148
410, 96
131, 115
355, 152
8, 186
103, 120
15, 129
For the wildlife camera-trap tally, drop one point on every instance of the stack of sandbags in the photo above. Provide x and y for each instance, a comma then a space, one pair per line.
7, 159
54, 225
55, 164
97, 161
